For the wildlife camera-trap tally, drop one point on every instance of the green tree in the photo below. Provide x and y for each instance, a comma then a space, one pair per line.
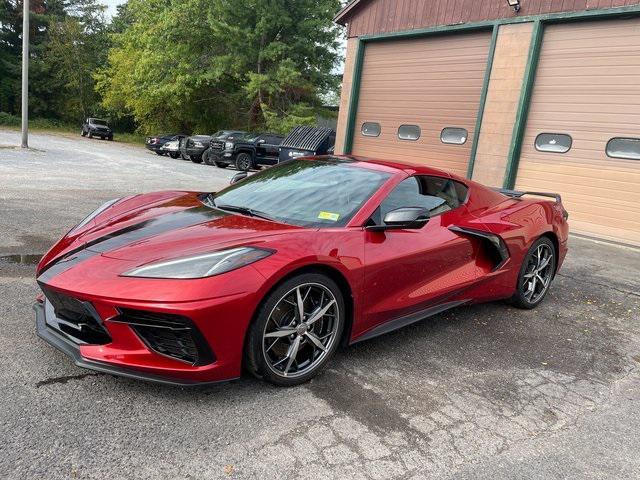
205, 64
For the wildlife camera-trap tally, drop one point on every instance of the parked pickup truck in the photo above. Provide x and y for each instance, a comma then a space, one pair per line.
245, 152
196, 147
95, 127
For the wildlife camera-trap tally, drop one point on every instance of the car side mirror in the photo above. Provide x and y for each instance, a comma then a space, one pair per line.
406, 218
238, 177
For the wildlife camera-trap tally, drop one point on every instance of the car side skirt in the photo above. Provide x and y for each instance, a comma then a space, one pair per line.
401, 322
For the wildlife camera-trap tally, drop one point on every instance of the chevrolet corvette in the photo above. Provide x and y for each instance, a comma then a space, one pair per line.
277, 271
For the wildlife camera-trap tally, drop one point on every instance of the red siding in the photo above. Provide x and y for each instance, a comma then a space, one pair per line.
379, 16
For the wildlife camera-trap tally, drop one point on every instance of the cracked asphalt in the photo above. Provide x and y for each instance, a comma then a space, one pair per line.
478, 392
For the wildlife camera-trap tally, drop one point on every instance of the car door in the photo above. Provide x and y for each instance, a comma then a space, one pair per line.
409, 272
266, 151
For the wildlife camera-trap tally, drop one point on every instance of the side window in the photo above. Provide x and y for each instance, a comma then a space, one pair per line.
626, 148
409, 132
371, 129
436, 194
553, 142
454, 136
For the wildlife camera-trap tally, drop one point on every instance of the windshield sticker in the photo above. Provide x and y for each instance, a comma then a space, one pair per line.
329, 216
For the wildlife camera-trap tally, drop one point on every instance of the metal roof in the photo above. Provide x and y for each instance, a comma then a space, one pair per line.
340, 16
306, 138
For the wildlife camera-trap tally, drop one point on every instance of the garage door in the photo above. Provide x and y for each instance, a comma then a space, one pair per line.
587, 97
419, 99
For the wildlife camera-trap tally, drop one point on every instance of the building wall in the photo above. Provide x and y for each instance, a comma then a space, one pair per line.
501, 106
345, 96
379, 16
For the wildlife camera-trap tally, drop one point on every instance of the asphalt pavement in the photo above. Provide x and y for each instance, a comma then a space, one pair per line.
478, 392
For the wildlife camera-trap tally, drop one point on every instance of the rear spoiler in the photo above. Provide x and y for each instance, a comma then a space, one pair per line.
517, 194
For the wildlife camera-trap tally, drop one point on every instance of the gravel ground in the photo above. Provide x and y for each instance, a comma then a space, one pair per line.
478, 392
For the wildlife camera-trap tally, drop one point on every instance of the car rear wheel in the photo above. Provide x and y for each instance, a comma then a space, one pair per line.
297, 330
174, 155
536, 274
159, 153
244, 162
220, 164
90, 134
195, 158
83, 133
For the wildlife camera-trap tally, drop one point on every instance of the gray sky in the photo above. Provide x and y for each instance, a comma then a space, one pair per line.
111, 4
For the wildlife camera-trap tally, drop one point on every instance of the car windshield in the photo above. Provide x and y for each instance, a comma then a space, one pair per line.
309, 193
95, 121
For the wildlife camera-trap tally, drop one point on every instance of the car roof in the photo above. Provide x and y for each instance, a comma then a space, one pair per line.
392, 166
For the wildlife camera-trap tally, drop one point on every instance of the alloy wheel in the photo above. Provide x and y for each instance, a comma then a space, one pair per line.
538, 273
300, 330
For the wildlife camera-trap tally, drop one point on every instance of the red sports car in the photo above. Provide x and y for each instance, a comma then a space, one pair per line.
277, 271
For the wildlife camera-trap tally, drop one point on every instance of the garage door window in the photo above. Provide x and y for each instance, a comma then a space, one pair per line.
553, 142
454, 136
409, 132
371, 129
626, 148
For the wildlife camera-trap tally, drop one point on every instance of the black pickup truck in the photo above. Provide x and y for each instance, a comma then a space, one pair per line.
196, 147
245, 152
95, 127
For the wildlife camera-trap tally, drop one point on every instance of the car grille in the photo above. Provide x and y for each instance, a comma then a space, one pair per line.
217, 145
76, 319
173, 336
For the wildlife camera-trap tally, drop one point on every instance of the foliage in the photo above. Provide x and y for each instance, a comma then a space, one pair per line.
205, 64
174, 65
66, 41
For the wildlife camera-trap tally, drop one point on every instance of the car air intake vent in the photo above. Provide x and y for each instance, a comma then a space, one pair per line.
170, 335
76, 319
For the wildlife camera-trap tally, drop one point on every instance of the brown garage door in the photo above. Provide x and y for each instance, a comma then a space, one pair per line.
433, 83
587, 87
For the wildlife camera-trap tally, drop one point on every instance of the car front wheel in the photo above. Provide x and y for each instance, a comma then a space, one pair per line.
83, 133
174, 155
244, 162
195, 158
90, 134
297, 330
536, 274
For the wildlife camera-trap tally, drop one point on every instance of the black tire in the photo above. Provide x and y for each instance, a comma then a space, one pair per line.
110, 138
195, 158
220, 164
90, 134
527, 297
255, 354
205, 157
83, 133
174, 155
101, 138
244, 162
159, 153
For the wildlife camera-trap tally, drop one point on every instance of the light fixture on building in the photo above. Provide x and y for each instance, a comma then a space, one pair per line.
515, 4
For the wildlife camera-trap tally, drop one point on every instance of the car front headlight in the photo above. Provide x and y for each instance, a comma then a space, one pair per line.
201, 266
95, 213
228, 145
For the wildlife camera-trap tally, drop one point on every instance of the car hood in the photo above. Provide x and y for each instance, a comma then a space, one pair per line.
157, 227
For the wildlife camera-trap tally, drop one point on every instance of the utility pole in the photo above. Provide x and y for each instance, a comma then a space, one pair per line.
25, 74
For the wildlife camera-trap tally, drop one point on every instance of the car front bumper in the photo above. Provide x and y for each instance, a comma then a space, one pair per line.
72, 350
218, 327
154, 147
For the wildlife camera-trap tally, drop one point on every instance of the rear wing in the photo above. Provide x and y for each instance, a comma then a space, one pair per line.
517, 194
